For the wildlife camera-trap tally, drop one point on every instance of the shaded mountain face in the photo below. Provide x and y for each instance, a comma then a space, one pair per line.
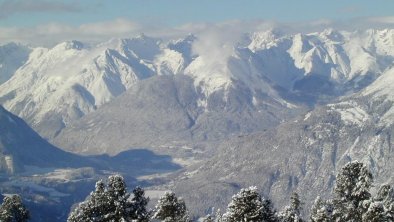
58, 86
263, 83
51, 180
303, 155
164, 110
21, 147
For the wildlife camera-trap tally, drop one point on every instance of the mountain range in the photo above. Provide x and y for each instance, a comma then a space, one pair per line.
302, 155
280, 111
268, 76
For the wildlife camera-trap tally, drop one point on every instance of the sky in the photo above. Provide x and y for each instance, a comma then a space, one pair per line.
78, 18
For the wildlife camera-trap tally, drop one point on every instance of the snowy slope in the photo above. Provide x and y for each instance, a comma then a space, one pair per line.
57, 86
21, 148
51, 180
302, 155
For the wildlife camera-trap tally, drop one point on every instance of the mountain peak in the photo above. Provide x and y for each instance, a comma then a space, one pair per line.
73, 44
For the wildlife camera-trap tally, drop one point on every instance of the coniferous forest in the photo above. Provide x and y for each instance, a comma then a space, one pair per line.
110, 201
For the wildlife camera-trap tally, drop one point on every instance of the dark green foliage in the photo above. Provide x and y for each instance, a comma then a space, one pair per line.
291, 213
138, 204
171, 209
374, 213
111, 203
386, 196
244, 206
352, 188
13, 210
381, 207
321, 211
268, 211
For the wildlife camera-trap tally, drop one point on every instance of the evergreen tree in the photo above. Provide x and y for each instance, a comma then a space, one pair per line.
321, 211
96, 207
13, 210
386, 196
381, 207
247, 205
117, 199
111, 203
352, 187
138, 206
218, 216
374, 213
292, 212
268, 211
171, 209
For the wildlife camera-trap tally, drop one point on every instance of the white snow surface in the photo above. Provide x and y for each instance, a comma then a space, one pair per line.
73, 78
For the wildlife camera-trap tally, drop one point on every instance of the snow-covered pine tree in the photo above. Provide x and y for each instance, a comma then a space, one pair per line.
321, 211
218, 216
292, 212
117, 197
171, 209
381, 207
111, 203
268, 211
386, 196
352, 187
374, 213
245, 206
94, 208
139, 202
13, 210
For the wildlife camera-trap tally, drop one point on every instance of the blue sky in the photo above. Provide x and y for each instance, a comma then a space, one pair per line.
25, 13
46, 22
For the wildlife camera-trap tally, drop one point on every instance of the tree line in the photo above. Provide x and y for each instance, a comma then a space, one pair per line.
110, 202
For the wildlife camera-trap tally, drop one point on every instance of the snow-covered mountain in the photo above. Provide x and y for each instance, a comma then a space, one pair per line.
57, 86
166, 111
261, 83
175, 96
50, 180
302, 155
21, 147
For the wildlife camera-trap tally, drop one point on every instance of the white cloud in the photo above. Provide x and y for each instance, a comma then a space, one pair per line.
11, 7
52, 33
382, 20
214, 36
215, 42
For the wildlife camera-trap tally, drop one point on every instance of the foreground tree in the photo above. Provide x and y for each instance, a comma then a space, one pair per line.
111, 203
321, 211
94, 208
171, 209
245, 206
13, 210
268, 211
352, 187
386, 196
374, 213
380, 208
138, 206
292, 213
